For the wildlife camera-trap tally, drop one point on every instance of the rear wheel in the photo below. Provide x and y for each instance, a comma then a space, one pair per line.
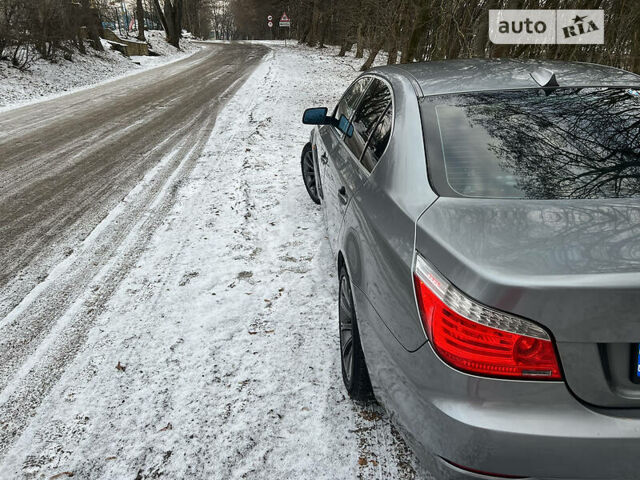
354, 369
309, 173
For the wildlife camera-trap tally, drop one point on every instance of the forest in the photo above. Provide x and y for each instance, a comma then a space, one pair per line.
406, 30
419, 30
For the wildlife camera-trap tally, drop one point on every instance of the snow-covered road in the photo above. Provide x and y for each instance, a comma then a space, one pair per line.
216, 354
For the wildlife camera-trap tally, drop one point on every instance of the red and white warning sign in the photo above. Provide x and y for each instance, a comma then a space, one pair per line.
285, 21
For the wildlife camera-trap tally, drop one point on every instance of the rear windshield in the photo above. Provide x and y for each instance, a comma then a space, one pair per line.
553, 144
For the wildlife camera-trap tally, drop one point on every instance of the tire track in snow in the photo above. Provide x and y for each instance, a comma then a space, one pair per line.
86, 161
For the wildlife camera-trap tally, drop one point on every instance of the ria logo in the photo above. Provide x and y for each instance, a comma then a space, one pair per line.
546, 26
581, 26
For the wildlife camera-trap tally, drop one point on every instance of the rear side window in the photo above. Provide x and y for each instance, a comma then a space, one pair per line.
369, 112
379, 140
560, 144
350, 99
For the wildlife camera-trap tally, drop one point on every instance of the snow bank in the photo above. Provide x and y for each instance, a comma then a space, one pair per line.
44, 79
158, 44
218, 356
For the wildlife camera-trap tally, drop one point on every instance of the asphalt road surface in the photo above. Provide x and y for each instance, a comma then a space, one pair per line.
65, 167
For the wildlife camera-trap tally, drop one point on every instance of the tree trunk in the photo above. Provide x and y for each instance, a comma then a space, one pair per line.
323, 32
163, 20
305, 36
635, 53
372, 56
172, 20
481, 37
417, 35
360, 48
77, 19
346, 47
304, 26
91, 19
315, 26
392, 48
393, 56
140, 15
80, 43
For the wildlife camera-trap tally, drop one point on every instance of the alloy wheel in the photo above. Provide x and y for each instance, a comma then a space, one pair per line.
309, 175
346, 328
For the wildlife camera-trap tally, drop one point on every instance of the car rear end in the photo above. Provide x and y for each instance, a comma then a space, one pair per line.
527, 278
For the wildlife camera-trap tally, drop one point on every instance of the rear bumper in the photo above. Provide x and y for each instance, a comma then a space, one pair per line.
528, 429
444, 470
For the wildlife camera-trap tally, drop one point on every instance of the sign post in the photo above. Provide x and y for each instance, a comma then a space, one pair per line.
270, 24
285, 22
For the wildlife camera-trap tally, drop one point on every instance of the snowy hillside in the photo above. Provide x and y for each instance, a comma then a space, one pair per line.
45, 79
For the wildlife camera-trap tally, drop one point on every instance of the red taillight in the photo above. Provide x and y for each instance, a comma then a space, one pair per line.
477, 339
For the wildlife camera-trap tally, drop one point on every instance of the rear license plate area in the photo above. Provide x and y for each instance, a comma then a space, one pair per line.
635, 363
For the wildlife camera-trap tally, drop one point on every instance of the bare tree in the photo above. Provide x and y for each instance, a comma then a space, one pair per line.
171, 18
140, 15
90, 19
47, 28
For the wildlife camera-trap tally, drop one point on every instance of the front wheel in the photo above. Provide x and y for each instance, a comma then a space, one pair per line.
309, 173
354, 369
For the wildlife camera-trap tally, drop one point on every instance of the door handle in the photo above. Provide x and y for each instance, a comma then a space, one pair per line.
343, 194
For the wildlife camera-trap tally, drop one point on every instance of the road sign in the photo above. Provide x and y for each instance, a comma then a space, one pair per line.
270, 18
285, 21
270, 24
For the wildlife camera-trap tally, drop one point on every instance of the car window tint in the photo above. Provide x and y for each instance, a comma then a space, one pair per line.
350, 99
374, 103
564, 143
378, 141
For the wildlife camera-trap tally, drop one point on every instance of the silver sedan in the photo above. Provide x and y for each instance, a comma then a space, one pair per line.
485, 221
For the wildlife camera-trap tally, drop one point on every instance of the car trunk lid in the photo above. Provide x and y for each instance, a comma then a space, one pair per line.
572, 266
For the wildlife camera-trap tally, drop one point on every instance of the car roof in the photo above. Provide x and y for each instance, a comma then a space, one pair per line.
470, 75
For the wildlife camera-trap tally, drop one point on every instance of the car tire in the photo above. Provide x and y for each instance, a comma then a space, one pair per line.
354, 368
309, 173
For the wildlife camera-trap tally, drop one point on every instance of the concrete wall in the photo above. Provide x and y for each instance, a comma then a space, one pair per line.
129, 47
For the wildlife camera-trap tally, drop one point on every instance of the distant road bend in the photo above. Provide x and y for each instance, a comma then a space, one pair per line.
85, 179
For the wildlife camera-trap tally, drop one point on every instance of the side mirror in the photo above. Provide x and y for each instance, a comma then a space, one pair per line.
345, 127
316, 116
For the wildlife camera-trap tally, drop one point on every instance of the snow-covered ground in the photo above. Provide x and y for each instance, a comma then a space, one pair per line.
45, 79
217, 357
